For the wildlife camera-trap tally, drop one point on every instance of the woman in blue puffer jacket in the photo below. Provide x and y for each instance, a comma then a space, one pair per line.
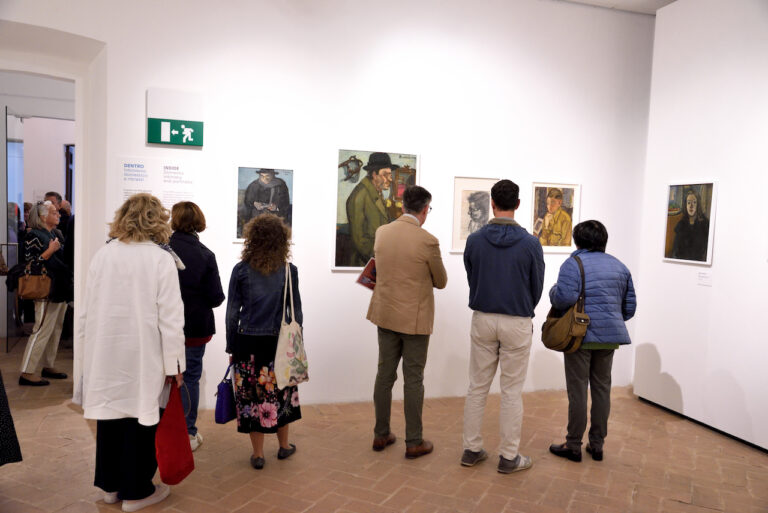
609, 300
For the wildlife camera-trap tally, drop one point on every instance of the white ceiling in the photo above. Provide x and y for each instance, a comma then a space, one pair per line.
641, 6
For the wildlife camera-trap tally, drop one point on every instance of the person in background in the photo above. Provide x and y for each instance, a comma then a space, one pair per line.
43, 249
27, 306
609, 300
201, 293
54, 197
505, 271
129, 346
65, 211
408, 268
10, 452
254, 314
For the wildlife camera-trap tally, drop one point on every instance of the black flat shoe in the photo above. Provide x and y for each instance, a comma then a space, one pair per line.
257, 463
29, 383
564, 452
53, 375
284, 453
596, 455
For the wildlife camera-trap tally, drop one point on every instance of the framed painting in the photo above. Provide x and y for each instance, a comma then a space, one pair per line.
555, 213
690, 223
369, 194
471, 208
263, 190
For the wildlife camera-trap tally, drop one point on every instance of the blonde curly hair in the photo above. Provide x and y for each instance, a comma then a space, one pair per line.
142, 217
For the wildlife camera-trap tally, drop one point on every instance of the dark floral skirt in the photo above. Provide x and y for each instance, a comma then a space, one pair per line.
261, 406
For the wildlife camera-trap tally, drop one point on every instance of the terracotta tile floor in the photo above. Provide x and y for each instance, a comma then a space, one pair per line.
654, 461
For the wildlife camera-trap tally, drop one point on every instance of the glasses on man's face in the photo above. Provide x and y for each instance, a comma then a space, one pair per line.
430, 209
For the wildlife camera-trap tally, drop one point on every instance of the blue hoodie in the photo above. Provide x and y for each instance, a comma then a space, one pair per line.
505, 269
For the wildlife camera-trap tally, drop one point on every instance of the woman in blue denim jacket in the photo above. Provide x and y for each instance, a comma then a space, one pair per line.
254, 314
609, 300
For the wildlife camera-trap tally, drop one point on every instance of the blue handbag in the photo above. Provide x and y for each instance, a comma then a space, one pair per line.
225, 400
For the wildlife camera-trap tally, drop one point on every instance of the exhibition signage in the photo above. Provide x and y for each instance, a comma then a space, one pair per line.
174, 131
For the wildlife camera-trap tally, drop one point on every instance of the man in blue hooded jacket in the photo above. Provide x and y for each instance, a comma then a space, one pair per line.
505, 270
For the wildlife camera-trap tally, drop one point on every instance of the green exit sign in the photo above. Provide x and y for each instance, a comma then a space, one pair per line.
174, 131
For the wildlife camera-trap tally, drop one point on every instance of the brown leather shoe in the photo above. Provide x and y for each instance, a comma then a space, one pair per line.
419, 450
379, 444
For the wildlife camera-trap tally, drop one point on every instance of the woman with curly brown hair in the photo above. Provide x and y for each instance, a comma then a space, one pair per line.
254, 314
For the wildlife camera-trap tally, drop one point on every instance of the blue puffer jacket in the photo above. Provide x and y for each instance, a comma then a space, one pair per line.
609, 295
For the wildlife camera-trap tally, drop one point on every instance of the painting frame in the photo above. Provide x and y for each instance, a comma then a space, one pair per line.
687, 243
570, 204
351, 252
464, 188
281, 183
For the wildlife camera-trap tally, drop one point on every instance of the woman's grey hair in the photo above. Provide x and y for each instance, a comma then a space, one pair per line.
38, 213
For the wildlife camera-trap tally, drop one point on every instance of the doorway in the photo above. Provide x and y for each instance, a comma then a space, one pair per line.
38, 156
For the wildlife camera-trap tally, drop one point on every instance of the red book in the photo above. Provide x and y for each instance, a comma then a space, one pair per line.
367, 278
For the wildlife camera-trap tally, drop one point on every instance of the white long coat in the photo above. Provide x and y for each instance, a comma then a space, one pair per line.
131, 332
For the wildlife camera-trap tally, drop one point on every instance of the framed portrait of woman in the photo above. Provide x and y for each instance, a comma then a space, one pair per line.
690, 223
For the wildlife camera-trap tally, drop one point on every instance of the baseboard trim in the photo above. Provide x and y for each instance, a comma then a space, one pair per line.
673, 412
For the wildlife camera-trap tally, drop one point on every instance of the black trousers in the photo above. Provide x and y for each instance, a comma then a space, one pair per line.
125, 458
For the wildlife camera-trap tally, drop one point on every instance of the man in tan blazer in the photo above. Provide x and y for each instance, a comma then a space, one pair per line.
408, 267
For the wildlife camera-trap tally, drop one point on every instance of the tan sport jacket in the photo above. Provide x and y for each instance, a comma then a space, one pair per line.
408, 267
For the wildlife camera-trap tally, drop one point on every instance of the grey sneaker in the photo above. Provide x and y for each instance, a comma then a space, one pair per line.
470, 458
517, 464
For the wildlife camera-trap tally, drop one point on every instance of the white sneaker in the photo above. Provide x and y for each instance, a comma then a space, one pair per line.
161, 492
195, 441
110, 497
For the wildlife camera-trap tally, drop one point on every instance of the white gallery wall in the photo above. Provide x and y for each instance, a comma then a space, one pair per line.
44, 156
532, 90
700, 350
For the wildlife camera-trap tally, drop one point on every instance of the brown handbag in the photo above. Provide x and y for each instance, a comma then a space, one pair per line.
34, 286
565, 333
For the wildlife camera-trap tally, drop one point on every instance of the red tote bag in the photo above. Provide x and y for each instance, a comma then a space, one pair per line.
174, 454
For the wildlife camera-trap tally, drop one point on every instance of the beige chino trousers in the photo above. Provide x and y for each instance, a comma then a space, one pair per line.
503, 341
43, 344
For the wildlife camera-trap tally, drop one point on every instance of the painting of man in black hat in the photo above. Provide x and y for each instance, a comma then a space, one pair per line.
368, 201
266, 194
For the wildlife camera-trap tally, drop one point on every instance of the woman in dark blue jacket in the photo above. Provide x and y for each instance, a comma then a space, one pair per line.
254, 315
609, 300
201, 292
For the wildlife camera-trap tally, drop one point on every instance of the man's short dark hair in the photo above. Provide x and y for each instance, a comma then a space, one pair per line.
505, 195
415, 198
590, 235
53, 194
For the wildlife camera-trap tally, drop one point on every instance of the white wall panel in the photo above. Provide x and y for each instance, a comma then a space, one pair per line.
527, 90
701, 350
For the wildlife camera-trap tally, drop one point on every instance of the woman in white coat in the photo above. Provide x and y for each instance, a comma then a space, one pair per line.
129, 344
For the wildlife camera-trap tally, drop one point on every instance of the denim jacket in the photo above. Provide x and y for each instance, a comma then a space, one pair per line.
255, 304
